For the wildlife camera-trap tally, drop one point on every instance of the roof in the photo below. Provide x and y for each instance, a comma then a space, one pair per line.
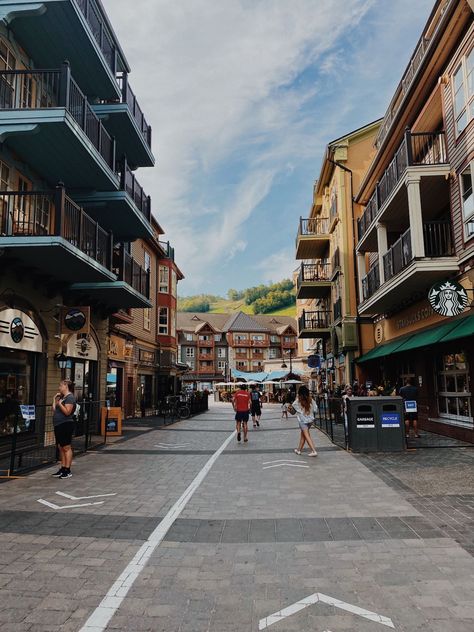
192, 321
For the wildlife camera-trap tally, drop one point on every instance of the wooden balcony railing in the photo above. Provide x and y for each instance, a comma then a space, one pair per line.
417, 149
49, 213
128, 270
314, 321
130, 184
39, 89
314, 272
130, 99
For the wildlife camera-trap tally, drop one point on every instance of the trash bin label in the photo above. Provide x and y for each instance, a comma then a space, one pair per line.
365, 420
410, 406
390, 420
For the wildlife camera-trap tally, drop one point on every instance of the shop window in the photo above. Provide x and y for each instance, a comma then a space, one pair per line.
454, 396
17, 370
463, 92
163, 321
467, 202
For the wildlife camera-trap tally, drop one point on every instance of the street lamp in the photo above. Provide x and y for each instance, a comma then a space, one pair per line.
61, 359
284, 365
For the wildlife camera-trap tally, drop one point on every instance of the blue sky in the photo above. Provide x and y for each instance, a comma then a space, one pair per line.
243, 96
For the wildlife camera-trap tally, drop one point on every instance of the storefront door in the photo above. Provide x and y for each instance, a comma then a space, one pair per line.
17, 386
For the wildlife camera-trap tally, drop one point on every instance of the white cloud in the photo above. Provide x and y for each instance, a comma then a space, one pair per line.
278, 266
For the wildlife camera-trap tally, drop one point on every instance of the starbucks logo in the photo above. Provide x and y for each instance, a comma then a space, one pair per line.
448, 299
75, 319
17, 330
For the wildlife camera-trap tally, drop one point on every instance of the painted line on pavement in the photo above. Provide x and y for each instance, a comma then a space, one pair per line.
53, 506
84, 497
269, 467
331, 601
104, 612
281, 461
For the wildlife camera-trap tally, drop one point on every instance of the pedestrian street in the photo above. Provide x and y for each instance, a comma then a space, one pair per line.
180, 528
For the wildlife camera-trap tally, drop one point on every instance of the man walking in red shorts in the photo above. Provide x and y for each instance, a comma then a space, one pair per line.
241, 403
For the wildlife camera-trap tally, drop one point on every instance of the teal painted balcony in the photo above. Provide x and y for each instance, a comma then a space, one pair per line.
77, 30
131, 289
126, 122
48, 236
127, 211
48, 122
46, 233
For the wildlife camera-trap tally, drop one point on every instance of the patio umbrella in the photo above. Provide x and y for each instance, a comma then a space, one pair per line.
292, 382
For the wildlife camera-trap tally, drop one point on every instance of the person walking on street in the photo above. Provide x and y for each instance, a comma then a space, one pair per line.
256, 405
305, 409
241, 403
64, 405
409, 393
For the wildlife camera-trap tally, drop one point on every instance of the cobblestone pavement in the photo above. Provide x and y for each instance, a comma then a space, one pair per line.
264, 530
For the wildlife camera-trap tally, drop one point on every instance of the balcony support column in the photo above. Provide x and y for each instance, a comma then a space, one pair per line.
361, 272
382, 249
416, 217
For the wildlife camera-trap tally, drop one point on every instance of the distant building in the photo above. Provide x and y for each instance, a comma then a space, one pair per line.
215, 345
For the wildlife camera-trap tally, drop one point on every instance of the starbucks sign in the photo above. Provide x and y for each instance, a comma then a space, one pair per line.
448, 298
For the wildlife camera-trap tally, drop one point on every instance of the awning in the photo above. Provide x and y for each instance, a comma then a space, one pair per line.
463, 328
449, 330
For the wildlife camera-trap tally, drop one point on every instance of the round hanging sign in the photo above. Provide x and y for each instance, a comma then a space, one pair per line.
74, 319
448, 298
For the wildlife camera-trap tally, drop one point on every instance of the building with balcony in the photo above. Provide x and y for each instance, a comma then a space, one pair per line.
325, 281
416, 226
72, 134
216, 345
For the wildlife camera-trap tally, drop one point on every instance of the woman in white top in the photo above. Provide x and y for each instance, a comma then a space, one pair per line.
305, 409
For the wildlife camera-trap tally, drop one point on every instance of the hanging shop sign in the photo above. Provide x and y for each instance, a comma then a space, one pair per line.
448, 298
82, 346
314, 361
75, 320
116, 348
18, 331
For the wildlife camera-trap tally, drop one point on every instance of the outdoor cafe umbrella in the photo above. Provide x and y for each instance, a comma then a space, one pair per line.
292, 382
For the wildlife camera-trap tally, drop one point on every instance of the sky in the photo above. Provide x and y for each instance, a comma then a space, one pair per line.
243, 96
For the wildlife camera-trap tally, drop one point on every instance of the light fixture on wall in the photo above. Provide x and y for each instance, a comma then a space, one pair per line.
61, 359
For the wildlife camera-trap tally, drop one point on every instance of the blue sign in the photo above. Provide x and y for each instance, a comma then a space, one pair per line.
390, 420
410, 406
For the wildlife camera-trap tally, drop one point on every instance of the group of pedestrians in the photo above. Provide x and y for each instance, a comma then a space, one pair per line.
248, 404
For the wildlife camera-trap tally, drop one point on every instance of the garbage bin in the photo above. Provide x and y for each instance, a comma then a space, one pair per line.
375, 424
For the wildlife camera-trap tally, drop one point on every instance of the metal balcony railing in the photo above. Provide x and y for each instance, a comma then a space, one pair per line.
102, 35
128, 270
313, 226
167, 249
314, 321
53, 213
335, 260
371, 282
128, 97
130, 184
398, 256
417, 149
338, 308
40, 89
438, 238
313, 272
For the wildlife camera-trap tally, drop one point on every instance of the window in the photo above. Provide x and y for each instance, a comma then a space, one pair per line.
240, 337
467, 203
7, 62
163, 280
221, 365
173, 323
273, 354
189, 337
204, 337
241, 350
174, 282
221, 352
289, 339
191, 363
163, 321
258, 338
189, 352
454, 396
217, 337
274, 338
241, 364
258, 352
147, 261
147, 318
463, 92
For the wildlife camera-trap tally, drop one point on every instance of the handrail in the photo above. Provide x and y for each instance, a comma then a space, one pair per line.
128, 97
318, 271
49, 213
100, 31
130, 184
313, 226
128, 270
39, 89
320, 319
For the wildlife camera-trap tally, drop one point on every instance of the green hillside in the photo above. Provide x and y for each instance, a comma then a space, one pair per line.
275, 298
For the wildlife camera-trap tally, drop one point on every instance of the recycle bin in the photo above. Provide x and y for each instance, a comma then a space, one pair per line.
375, 424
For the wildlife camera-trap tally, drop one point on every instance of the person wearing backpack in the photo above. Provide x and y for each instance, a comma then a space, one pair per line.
64, 407
255, 405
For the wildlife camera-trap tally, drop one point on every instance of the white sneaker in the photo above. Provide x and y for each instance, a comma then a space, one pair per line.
313, 453
296, 451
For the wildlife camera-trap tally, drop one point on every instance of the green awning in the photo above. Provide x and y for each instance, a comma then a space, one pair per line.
384, 350
428, 337
462, 329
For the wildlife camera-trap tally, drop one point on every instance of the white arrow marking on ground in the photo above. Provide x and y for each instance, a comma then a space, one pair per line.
83, 497
53, 506
281, 461
171, 446
331, 601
